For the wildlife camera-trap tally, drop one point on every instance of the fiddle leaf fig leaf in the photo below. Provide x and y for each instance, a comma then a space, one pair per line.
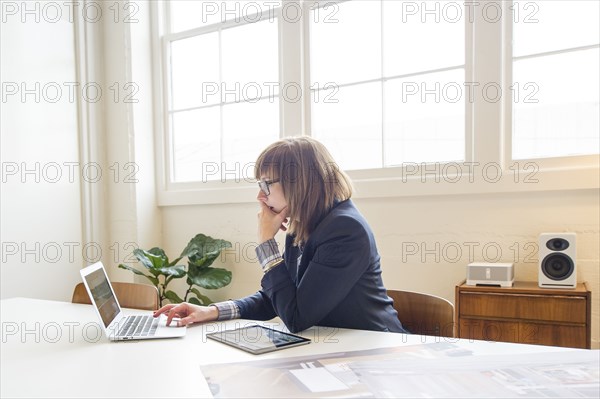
208, 277
202, 298
154, 280
202, 250
157, 262
173, 297
194, 300
176, 271
160, 255
154, 258
204, 261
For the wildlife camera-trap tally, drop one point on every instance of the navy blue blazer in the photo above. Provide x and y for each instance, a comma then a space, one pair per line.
336, 284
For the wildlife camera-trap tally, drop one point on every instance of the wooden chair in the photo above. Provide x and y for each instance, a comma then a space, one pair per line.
129, 295
423, 313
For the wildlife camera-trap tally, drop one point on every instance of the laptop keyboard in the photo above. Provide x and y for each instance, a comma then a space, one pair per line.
139, 326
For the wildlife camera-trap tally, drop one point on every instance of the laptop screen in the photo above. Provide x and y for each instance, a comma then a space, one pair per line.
103, 296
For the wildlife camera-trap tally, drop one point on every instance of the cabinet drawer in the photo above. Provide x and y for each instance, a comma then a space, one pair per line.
568, 309
489, 330
521, 332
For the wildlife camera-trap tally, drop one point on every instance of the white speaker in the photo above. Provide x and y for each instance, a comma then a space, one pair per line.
557, 260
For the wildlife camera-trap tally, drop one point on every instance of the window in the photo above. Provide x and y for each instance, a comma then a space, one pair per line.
555, 79
222, 74
399, 91
387, 80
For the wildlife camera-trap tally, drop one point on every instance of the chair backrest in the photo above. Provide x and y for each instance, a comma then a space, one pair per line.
423, 313
129, 295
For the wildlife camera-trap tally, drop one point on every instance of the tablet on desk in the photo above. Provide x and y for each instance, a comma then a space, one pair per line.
258, 339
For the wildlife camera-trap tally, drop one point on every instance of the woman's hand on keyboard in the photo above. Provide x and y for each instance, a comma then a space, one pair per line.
188, 313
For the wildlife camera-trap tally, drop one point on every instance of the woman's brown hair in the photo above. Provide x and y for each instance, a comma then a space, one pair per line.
311, 181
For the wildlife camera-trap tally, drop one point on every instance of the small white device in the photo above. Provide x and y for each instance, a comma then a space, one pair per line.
491, 274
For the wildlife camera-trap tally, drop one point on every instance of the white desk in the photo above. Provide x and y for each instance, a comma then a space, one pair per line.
52, 349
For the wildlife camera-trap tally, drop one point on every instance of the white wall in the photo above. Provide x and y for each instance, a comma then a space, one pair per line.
85, 216
40, 211
419, 237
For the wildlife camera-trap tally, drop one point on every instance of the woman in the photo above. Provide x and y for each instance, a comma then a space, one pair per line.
329, 274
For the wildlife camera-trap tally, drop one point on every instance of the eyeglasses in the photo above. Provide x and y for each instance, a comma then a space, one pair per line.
265, 185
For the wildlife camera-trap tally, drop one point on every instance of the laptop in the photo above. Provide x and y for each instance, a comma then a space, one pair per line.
117, 325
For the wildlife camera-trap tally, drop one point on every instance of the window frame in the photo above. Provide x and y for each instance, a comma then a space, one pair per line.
487, 59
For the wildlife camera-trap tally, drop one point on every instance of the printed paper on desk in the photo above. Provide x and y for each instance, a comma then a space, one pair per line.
318, 379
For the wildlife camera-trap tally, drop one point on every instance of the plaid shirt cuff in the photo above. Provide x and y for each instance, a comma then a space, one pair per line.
268, 254
228, 310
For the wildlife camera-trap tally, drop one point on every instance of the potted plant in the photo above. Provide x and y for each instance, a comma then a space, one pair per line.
200, 252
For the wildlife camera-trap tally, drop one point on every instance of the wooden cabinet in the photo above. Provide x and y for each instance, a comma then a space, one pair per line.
525, 314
